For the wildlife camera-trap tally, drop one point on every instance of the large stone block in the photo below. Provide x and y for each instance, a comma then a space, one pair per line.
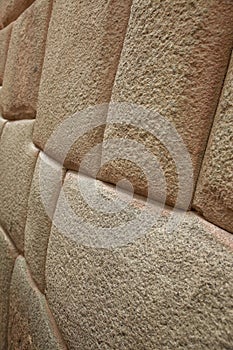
24, 62
17, 161
31, 325
173, 62
8, 255
158, 291
44, 192
82, 53
11, 9
5, 35
214, 193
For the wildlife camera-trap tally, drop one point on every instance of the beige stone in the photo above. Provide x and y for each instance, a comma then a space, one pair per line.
42, 201
83, 49
5, 35
159, 291
24, 62
2, 123
8, 255
11, 9
31, 325
174, 59
17, 161
214, 193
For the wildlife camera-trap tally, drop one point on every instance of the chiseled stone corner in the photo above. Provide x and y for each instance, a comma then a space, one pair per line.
5, 35
8, 255
2, 123
44, 192
160, 291
214, 193
89, 38
11, 9
17, 161
24, 62
31, 325
173, 62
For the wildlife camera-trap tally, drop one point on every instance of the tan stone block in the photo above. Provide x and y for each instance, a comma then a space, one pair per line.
41, 206
158, 291
5, 35
17, 161
24, 62
8, 255
214, 193
2, 123
11, 9
31, 325
174, 59
82, 53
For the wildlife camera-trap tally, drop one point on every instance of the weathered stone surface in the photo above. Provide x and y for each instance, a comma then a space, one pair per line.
214, 193
17, 160
2, 123
11, 9
174, 59
31, 326
5, 35
161, 291
24, 62
8, 255
89, 38
44, 191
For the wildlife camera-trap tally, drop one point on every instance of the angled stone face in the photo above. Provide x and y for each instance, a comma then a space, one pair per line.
82, 53
24, 62
31, 325
2, 123
8, 255
11, 9
5, 35
44, 192
158, 291
173, 62
214, 193
17, 161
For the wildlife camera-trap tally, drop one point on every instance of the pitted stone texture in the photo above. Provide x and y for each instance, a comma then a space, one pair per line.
162, 291
17, 161
214, 193
11, 9
5, 35
89, 38
2, 123
24, 62
8, 255
45, 187
31, 326
173, 61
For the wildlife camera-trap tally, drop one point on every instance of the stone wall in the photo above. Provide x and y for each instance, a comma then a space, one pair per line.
96, 98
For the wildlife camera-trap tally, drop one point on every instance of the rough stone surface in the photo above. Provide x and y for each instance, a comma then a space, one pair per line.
17, 161
2, 123
24, 62
31, 326
8, 255
89, 38
11, 9
161, 291
5, 35
174, 59
38, 223
214, 193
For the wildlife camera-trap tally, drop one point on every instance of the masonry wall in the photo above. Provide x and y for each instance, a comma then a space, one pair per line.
93, 94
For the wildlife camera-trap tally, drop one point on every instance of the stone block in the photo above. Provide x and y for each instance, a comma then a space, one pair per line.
5, 35
24, 62
17, 161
